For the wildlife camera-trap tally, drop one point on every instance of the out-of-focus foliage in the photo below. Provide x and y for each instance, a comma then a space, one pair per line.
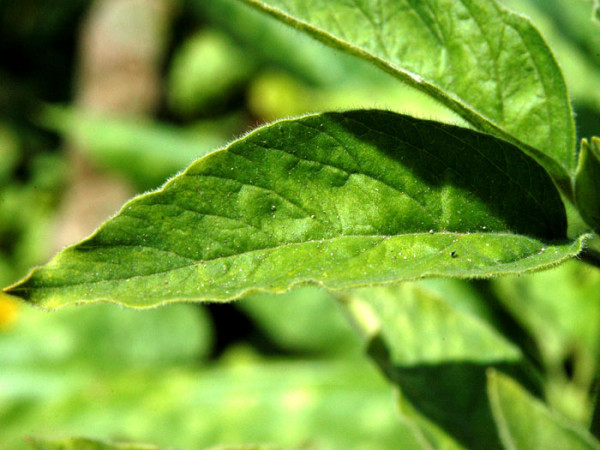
306, 320
560, 308
524, 422
83, 444
136, 147
156, 386
207, 66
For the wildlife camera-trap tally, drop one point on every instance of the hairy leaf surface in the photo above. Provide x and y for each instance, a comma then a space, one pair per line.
488, 64
339, 199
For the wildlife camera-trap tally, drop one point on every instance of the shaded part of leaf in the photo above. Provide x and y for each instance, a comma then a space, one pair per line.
587, 183
505, 322
524, 422
340, 199
438, 356
488, 64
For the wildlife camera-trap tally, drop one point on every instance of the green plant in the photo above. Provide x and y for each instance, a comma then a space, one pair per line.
356, 200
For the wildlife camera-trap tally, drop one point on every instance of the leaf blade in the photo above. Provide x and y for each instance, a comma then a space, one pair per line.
327, 199
436, 353
524, 422
486, 63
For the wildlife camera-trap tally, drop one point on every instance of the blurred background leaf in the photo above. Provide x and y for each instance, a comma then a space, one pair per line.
436, 348
524, 422
560, 307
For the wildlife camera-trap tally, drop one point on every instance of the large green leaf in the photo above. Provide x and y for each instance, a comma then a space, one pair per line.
437, 352
339, 199
525, 423
486, 63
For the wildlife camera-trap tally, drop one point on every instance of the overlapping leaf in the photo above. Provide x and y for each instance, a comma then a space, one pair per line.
486, 63
340, 199
559, 308
437, 353
525, 423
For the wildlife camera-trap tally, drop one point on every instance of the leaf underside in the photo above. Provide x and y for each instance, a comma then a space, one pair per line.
481, 60
338, 199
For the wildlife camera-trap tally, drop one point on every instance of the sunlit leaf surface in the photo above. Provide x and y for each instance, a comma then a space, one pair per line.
486, 63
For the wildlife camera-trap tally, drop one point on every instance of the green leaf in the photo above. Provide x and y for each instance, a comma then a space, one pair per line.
437, 353
80, 443
559, 308
489, 65
525, 423
340, 199
587, 183
276, 46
